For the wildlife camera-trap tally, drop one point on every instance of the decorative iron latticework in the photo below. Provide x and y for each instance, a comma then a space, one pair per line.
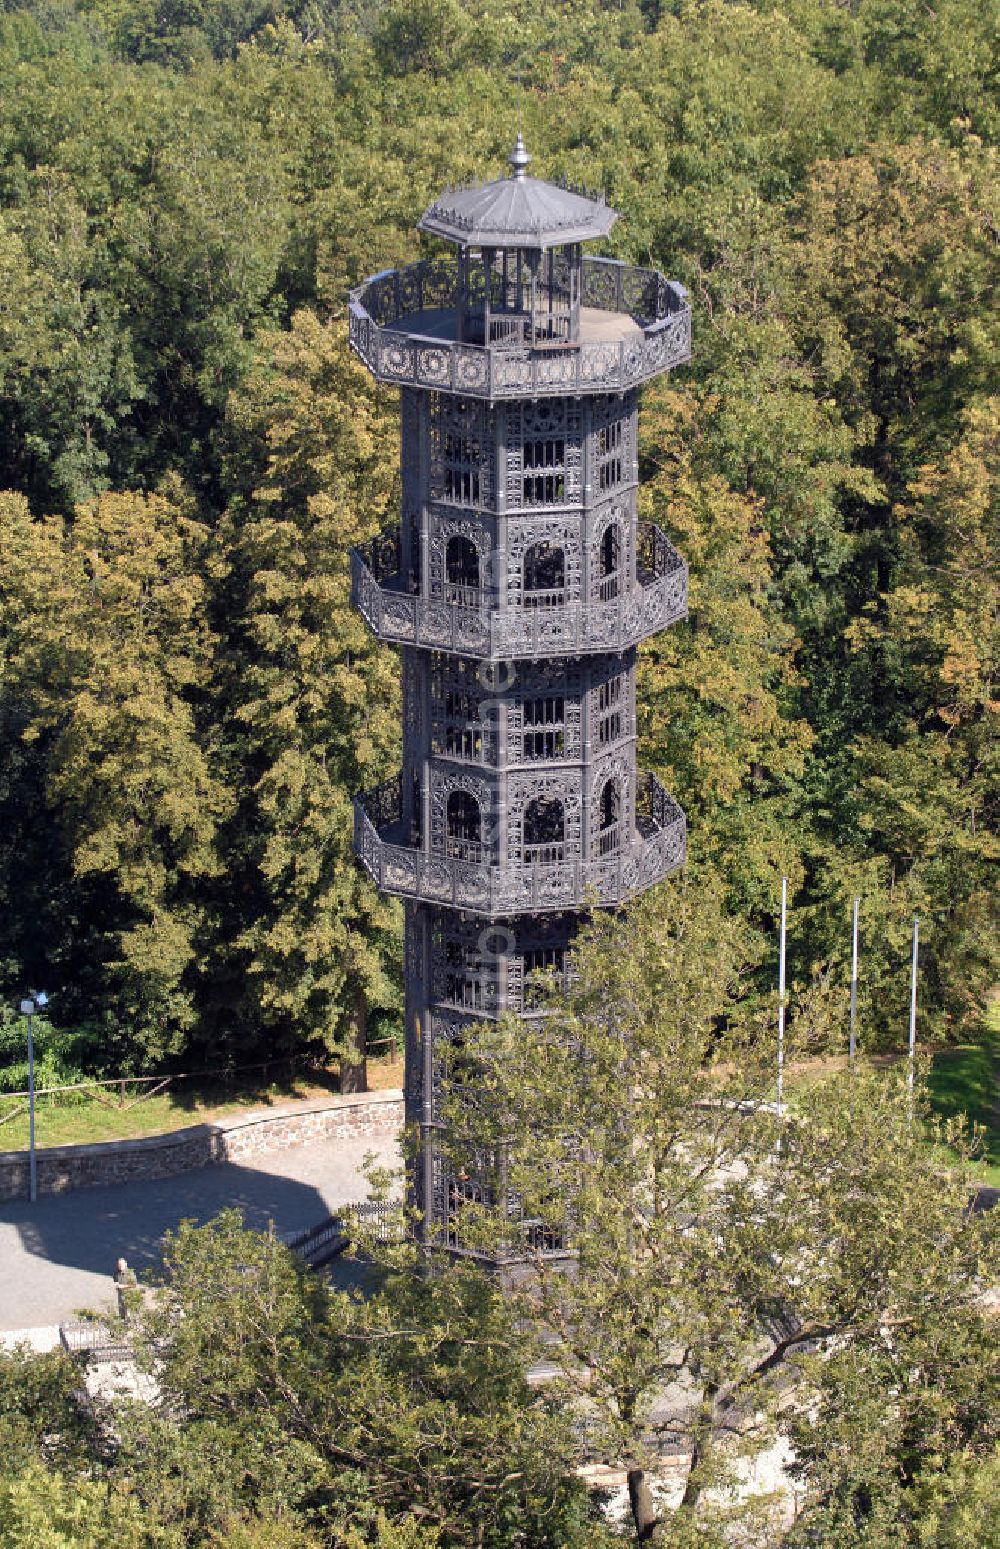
518, 585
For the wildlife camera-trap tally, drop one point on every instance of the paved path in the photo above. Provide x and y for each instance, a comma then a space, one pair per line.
57, 1256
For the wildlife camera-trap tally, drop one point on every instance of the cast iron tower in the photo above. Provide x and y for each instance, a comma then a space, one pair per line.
517, 584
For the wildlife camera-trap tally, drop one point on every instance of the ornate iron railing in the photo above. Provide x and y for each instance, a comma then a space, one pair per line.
394, 352
658, 848
655, 554
431, 285
96, 1341
642, 294
653, 805
397, 615
383, 553
383, 804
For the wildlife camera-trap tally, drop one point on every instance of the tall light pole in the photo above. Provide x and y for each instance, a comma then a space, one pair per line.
913, 1009
854, 985
781, 995
28, 1008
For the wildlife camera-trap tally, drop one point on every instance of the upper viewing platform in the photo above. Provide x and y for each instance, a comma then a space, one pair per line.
520, 311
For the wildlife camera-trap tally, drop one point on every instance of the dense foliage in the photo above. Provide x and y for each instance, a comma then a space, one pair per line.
741, 1292
742, 1282
287, 1416
186, 702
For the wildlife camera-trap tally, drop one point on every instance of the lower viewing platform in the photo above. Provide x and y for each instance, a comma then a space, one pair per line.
657, 847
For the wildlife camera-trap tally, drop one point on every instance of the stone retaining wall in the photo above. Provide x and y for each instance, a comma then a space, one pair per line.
61, 1168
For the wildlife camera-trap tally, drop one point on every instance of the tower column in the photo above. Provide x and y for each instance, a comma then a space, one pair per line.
519, 605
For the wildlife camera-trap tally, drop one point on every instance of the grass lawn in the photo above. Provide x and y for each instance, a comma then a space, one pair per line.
966, 1079
59, 1123
962, 1079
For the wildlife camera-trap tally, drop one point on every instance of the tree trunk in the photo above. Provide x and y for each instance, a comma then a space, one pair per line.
354, 1060
641, 1501
701, 1441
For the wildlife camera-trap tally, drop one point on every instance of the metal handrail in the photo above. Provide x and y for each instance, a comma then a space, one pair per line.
510, 368
433, 285
399, 614
328, 1238
95, 1340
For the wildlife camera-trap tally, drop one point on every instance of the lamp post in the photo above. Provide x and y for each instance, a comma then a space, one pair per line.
913, 1010
853, 1048
28, 1008
781, 997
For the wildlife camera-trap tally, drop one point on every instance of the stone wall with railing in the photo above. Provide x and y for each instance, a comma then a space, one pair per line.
61, 1168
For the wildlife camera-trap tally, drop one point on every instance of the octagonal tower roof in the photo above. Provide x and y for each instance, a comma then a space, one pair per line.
518, 211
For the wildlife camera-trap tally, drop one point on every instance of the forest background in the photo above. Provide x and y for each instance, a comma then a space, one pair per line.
188, 703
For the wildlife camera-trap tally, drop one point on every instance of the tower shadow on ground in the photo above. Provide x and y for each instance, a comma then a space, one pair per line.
57, 1256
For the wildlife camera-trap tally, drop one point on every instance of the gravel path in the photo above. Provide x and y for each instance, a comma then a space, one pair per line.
58, 1255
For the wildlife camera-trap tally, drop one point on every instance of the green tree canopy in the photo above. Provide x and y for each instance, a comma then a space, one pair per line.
737, 1278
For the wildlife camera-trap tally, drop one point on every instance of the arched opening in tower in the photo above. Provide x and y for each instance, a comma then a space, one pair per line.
610, 561
462, 572
610, 806
465, 827
544, 576
544, 841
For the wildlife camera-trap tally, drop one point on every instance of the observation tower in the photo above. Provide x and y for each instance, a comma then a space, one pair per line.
517, 585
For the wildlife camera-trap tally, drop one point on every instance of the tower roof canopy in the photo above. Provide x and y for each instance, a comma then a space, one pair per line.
518, 211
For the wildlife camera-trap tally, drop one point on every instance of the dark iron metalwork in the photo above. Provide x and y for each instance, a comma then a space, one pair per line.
632, 324
518, 583
475, 625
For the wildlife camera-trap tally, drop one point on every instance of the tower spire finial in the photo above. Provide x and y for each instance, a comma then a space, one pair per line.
519, 157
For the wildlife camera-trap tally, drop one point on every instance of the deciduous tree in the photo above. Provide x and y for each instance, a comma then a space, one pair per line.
313, 696
734, 1277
